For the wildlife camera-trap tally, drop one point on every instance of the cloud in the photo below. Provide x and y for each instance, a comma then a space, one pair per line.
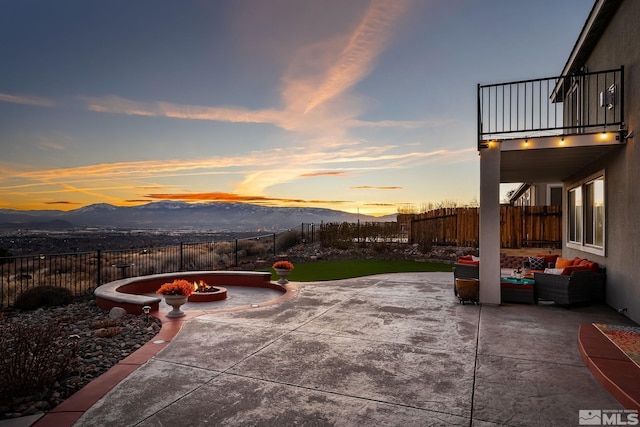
329, 173
358, 57
61, 202
26, 100
232, 197
318, 72
50, 145
370, 187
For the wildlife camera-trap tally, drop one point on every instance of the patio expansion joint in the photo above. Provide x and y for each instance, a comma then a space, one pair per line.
475, 366
577, 364
334, 393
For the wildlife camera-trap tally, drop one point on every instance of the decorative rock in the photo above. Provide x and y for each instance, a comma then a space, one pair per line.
95, 355
117, 313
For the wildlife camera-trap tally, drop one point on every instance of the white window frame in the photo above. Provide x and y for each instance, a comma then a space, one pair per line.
581, 245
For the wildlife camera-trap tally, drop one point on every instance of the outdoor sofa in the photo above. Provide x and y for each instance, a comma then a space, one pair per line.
579, 282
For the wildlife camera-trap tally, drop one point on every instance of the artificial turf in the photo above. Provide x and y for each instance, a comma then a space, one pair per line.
346, 269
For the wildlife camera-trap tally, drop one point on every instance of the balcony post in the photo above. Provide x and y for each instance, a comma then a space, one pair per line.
490, 224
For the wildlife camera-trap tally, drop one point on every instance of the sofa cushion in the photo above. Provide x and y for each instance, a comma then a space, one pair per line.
593, 266
537, 263
562, 262
468, 262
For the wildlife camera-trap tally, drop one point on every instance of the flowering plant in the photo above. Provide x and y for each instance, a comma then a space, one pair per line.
177, 287
285, 265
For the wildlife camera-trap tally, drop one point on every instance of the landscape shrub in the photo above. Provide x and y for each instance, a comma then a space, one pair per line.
108, 332
198, 261
62, 264
43, 296
287, 240
253, 247
34, 357
224, 248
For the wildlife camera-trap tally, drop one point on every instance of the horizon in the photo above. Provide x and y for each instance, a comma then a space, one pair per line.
365, 106
194, 203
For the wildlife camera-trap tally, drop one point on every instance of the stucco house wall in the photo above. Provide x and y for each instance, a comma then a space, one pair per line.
619, 45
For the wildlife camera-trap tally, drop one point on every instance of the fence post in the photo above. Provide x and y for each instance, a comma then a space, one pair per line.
181, 258
235, 253
99, 278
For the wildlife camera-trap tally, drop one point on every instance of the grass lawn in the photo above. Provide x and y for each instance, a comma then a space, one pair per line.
345, 269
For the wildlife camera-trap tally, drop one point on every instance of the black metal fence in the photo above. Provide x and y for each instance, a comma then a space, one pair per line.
82, 272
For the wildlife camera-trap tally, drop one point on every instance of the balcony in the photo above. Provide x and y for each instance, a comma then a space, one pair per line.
582, 114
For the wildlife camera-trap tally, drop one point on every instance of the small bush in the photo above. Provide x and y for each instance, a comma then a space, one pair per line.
104, 323
108, 332
43, 296
34, 357
287, 240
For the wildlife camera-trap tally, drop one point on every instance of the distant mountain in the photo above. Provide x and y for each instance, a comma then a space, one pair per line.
180, 215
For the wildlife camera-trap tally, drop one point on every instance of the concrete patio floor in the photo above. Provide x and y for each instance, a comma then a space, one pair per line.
393, 349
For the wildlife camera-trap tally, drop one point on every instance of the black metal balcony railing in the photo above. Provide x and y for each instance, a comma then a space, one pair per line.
577, 103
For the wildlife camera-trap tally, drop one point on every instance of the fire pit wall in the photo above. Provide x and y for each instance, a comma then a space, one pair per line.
130, 293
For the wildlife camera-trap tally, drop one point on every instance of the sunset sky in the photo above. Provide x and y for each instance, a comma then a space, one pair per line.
357, 105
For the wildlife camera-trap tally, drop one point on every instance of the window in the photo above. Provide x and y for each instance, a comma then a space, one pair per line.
594, 212
555, 196
575, 215
586, 222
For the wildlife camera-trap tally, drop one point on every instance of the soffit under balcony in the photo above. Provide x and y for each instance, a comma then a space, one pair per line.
552, 159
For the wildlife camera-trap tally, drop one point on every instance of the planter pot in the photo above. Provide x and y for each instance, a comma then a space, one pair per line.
175, 301
467, 289
282, 274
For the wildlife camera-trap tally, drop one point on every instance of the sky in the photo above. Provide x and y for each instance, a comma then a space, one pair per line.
363, 106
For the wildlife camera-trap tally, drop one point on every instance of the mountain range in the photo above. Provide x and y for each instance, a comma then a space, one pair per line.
179, 215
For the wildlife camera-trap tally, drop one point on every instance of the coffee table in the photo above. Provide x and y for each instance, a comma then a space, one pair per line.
517, 290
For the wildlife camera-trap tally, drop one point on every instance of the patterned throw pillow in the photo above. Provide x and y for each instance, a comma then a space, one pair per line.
537, 263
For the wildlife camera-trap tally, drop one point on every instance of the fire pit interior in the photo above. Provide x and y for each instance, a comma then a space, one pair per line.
206, 293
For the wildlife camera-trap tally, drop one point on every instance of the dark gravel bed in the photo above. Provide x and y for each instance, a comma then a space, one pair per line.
101, 342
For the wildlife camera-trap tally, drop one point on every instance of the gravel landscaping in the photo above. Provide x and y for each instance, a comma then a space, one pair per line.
102, 342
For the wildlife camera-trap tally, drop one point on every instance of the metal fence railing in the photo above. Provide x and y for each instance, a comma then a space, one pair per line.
82, 272
577, 103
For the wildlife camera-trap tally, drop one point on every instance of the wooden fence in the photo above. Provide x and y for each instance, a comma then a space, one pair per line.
519, 226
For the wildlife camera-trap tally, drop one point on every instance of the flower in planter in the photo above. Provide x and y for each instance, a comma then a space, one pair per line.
284, 265
177, 287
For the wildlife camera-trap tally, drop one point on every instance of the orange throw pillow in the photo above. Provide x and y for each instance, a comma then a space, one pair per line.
562, 262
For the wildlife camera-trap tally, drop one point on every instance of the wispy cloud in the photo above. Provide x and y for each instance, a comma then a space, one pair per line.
232, 197
371, 187
61, 202
50, 145
358, 57
26, 100
308, 83
328, 173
